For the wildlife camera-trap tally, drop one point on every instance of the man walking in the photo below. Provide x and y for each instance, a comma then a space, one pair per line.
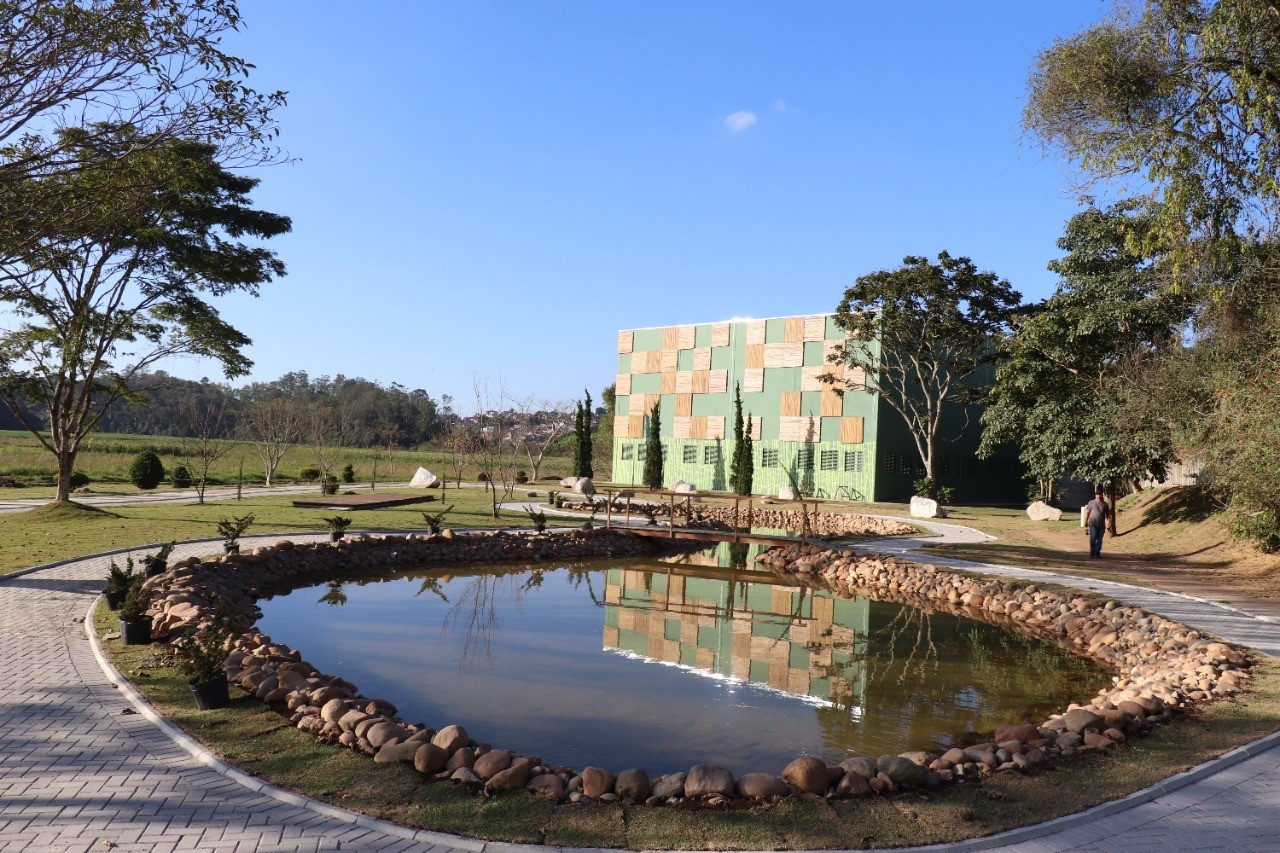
1096, 513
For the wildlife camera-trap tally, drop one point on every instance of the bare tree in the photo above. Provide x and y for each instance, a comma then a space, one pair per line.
329, 429
272, 426
202, 424
538, 423
495, 452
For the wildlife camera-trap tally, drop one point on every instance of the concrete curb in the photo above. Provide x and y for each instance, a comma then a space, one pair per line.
1013, 836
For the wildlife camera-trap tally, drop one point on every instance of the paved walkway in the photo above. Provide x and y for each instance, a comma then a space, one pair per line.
80, 770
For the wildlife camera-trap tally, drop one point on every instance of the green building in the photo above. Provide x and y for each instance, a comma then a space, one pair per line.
851, 446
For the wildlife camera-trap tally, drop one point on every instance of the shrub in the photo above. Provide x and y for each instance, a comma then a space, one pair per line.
337, 523
926, 487
482, 477
200, 656
134, 608
331, 485
156, 563
147, 471
79, 480
538, 517
309, 475
348, 474
522, 477
120, 580
181, 477
233, 528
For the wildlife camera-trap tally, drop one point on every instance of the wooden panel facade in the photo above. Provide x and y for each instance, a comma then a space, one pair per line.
668, 383
809, 377
702, 358
752, 380
671, 338
851, 430
626, 341
832, 403
684, 405
622, 384
670, 359
793, 330
755, 332
715, 427
790, 405
701, 383
684, 382
685, 336
798, 429
815, 328
755, 356
784, 355
717, 381
720, 335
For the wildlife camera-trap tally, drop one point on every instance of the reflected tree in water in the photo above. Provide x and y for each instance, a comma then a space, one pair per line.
334, 597
432, 584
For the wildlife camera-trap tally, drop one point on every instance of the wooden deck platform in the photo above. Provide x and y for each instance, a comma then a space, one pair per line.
712, 535
366, 500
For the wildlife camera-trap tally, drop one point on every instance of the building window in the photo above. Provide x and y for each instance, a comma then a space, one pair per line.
664, 453
853, 461
690, 454
804, 459
830, 460
628, 452
769, 457
711, 455
642, 452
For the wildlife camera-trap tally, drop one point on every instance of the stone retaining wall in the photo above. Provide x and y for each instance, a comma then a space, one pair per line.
1160, 666
716, 517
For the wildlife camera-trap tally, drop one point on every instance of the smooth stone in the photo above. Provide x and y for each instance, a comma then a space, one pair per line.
464, 757
429, 758
761, 786
451, 738
861, 765
807, 774
383, 732
1041, 511
853, 785
633, 783
549, 786
464, 776
348, 721
903, 772
493, 762
705, 779
393, 753
1078, 719
333, 710
597, 781
515, 776
670, 786
1023, 732
955, 756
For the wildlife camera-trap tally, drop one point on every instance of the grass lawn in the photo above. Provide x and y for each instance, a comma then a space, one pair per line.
251, 736
57, 532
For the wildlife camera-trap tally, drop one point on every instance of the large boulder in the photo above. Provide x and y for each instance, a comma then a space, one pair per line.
684, 488
493, 762
429, 758
515, 776
424, 479
596, 782
1041, 511
570, 482
927, 508
451, 738
585, 486
807, 774
548, 785
904, 772
788, 493
761, 786
671, 785
706, 779
1078, 719
633, 783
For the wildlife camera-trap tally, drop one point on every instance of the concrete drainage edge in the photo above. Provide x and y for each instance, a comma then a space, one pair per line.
1013, 836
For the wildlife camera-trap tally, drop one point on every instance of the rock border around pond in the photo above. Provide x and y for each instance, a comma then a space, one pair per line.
1160, 666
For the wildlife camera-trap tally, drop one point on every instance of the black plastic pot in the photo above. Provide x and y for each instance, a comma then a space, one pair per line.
114, 598
231, 548
211, 694
136, 633
335, 535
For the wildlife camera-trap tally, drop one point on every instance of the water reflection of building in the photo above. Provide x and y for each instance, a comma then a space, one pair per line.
752, 626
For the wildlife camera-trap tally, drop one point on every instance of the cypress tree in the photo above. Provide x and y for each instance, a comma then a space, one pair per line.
577, 440
584, 438
741, 468
748, 461
653, 451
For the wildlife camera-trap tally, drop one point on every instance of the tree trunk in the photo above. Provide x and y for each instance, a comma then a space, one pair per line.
271, 474
66, 463
1111, 499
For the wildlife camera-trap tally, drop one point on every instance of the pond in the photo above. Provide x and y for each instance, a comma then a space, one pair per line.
663, 664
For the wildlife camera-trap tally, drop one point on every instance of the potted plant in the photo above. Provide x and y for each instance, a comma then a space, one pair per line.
155, 564
551, 498
118, 583
538, 517
330, 485
435, 519
135, 624
337, 526
200, 657
231, 529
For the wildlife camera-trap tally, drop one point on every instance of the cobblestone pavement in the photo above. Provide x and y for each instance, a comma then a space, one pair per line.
79, 770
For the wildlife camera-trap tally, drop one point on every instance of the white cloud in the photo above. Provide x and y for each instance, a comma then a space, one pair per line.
780, 106
739, 121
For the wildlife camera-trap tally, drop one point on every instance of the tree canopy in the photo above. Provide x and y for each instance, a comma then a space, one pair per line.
920, 336
100, 305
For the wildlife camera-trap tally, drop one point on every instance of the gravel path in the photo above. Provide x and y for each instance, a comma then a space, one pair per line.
82, 769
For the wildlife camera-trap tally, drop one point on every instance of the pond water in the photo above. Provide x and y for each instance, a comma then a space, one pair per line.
665, 664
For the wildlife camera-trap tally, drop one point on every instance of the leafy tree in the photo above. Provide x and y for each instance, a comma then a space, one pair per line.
1068, 389
653, 450
157, 66
147, 471
98, 307
742, 465
1181, 95
582, 461
920, 336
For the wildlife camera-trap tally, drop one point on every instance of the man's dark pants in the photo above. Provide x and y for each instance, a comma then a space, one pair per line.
1095, 539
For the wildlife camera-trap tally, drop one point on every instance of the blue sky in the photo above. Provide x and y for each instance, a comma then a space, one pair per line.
495, 189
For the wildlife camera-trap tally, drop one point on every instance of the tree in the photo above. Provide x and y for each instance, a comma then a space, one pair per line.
202, 426
97, 307
582, 450
539, 425
920, 336
328, 430
272, 426
1070, 385
653, 450
158, 66
1182, 95
742, 466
